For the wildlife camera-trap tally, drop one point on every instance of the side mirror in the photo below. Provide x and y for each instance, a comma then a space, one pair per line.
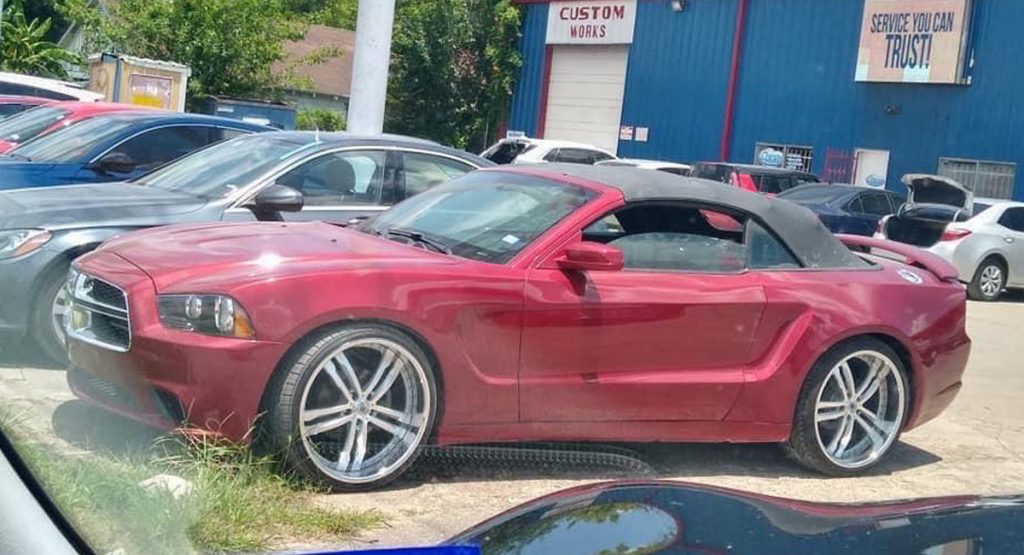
274, 199
588, 255
115, 162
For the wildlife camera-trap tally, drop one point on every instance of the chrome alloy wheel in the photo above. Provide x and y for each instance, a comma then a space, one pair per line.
859, 409
991, 282
364, 410
58, 308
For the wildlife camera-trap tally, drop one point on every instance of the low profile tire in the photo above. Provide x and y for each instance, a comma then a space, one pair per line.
851, 409
354, 408
989, 280
48, 316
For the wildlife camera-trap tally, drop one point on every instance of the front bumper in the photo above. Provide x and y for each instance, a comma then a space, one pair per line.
170, 378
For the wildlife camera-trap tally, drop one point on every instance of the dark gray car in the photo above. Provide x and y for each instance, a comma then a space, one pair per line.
339, 176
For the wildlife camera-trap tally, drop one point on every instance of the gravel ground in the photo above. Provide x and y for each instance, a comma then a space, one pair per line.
977, 446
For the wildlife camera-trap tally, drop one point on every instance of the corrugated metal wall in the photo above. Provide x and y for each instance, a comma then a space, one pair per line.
526, 102
797, 86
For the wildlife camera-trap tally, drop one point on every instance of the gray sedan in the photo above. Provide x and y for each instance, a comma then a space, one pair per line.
291, 176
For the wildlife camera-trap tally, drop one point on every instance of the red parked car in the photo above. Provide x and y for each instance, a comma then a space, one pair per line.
563, 303
12, 104
47, 118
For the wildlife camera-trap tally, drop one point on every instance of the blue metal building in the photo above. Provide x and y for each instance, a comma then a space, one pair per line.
788, 71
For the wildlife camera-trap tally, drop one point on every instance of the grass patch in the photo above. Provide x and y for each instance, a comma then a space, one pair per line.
238, 502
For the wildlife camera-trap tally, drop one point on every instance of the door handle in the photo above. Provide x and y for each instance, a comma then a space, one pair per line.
1007, 238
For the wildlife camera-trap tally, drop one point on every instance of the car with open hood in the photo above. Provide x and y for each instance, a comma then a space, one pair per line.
559, 303
291, 176
982, 238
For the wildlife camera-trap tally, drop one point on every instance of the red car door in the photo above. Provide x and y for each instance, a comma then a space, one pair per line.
668, 341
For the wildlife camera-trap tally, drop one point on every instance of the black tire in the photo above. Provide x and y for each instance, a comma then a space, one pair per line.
286, 392
803, 445
42, 331
974, 288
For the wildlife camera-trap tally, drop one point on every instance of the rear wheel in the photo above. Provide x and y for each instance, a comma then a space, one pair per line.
356, 407
851, 409
989, 280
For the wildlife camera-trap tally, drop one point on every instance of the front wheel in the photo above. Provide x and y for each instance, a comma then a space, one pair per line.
988, 281
356, 407
851, 409
48, 315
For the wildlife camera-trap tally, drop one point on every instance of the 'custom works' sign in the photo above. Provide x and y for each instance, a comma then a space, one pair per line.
594, 22
913, 41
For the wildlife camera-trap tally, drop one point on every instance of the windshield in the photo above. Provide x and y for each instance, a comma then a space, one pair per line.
76, 142
487, 216
224, 167
26, 125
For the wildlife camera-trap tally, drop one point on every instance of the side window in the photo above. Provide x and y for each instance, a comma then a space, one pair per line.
423, 171
855, 205
159, 146
766, 252
1013, 218
575, 156
772, 184
600, 157
339, 178
673, 238
552, 156
675, 171
875, 203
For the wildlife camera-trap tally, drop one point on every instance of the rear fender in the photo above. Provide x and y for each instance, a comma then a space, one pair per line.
911, 255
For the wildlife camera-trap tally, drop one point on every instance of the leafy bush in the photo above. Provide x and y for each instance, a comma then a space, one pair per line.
320, 118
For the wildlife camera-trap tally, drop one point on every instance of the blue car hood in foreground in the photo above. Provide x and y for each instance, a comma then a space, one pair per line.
672, 517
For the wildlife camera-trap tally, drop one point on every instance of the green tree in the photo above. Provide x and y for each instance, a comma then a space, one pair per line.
454, 63
319, 118
336, 13
25, 49
231, 45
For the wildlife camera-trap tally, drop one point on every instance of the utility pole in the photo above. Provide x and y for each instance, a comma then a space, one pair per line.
374, 23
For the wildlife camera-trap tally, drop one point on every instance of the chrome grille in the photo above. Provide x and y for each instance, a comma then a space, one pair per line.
97, 313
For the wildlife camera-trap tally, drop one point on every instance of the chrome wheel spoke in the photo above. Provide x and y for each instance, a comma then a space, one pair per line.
387, 359
309, 415
871, 384
842, 438
388, 411
830, 410
345, 455
878, 433
330, 368
362, 433
393, 429
385, 384
350, 373
849, 387
328, 425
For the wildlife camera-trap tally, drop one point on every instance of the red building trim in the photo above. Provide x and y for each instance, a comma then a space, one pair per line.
734, 76
545, 82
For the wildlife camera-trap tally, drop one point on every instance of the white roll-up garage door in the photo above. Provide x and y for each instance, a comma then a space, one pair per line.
585, 94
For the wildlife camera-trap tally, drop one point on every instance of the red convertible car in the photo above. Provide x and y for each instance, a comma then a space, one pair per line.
566, 303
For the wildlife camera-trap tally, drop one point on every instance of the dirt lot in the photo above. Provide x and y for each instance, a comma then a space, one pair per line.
975, 447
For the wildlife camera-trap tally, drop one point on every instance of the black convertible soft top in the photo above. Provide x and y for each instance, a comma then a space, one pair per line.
813, 244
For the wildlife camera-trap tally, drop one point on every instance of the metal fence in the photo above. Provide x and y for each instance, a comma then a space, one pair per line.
986, 179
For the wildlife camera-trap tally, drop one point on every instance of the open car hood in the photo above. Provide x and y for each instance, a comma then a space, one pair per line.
936, 189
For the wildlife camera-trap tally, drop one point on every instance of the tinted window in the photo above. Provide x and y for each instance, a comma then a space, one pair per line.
8, 109
600, 156
766, 251
424, 171
507, 152
575, 156
773, 184
159, 146
552, 156
673, 237
339, 178
1013, 218
224, 133
855, 205
715, 172
875, 203
28, 90
675, 171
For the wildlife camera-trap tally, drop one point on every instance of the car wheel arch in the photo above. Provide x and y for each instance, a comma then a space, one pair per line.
313, 335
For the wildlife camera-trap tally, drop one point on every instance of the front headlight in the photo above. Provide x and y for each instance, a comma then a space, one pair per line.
16, 242
208, 314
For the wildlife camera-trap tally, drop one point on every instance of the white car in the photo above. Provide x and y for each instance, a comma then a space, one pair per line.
657, 165
524, 150
982, 238
27, 85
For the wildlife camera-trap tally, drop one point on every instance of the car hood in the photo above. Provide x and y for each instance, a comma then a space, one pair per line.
77, 206
15, 173
672, 517
936, 189
218, 256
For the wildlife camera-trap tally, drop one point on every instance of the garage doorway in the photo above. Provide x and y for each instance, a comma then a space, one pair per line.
871, 168
585, 93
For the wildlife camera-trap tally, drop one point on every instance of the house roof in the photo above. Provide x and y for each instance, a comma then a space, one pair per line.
333, 76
